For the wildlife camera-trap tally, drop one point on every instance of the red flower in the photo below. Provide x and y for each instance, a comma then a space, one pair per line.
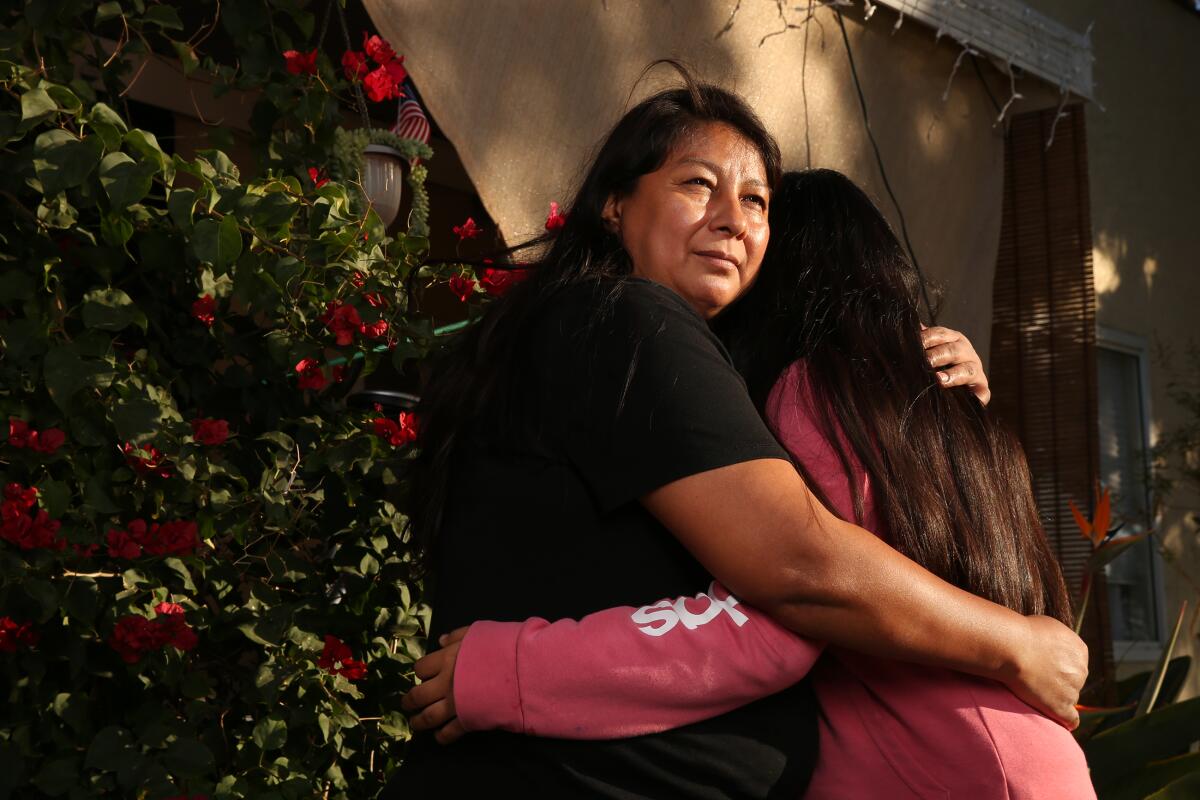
342, 320
357, 279
15, 635
462, 287
375, 299
134, 636
18, 432
379, 50
176, 538
299, 63
146, 460
555, 220
204, 310
311, 376
354, 65
383, 82
374, 330
47, 441
122, 545
177, 632
397, 432
24, 497
85, 550
468, 230
497, 282
336, 658
318, 177
210, 432
339, 373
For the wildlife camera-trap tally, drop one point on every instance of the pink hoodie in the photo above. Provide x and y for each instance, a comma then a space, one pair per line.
888, 729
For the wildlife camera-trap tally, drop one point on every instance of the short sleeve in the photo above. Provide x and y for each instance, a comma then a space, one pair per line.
654, 398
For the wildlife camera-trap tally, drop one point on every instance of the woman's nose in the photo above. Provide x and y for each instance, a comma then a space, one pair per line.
728, 216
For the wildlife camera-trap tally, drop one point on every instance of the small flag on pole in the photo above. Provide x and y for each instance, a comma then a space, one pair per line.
411, 122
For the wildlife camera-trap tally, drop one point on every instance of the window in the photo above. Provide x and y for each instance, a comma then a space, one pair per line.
1134, 584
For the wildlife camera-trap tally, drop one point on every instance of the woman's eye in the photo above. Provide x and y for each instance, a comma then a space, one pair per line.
705, 182
760, 201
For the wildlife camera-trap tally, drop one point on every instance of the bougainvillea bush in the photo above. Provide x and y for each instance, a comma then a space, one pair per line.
205, 583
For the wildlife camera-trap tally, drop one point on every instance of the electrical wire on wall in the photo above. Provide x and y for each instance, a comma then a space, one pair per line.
862, 103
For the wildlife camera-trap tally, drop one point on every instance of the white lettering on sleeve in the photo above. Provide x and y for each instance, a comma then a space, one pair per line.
663, 616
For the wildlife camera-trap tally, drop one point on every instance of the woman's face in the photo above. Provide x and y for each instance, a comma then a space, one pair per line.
698, 224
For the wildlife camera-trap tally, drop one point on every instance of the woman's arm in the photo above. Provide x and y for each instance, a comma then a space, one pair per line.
836, 582
623, 671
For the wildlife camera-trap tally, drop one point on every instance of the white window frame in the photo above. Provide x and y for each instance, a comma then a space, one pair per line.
1137, 346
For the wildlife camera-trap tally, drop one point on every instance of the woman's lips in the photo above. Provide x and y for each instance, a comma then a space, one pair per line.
718, 259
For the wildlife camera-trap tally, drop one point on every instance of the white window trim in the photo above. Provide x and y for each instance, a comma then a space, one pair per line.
1144, 650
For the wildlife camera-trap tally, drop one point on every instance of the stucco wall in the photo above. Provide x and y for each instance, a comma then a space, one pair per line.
525, 90
1144, 159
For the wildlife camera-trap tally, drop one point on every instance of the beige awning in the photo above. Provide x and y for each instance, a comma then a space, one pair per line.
525, 90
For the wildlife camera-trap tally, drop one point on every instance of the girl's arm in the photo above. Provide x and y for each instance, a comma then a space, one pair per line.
624, 671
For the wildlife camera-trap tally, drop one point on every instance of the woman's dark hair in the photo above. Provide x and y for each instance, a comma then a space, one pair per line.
952, 486
478, 372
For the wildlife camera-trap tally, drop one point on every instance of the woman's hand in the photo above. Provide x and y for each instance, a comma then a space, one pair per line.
1051, 670
430, 705
950, 349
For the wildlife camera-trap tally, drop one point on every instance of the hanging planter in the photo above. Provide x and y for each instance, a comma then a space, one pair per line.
376, 160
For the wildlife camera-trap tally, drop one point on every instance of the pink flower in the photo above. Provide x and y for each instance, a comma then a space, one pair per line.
336, 658
311, 376
379, 50
18, 432
318, 177
47, 441
555, 220
354, 65
204, 310
122, 545
468, 230
146, 460
462, 287
15, 635
497, 282
380, 84
397, 432
210, 432
375, 330
342, 320
299, 63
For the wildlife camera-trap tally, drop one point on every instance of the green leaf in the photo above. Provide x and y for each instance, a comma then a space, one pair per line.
44, 594
273, 210
65, 374
82, 601
115, 230
14, 285
125, 181
186, 55
163, 16
54, 496
36, 105
270, 733
146, 144
196, 685
189, 758
279, 439
1150, 696
65, 99
111, 310
181, 204
217, 243
57, 776
1126, 748
107, 11
97, 497
110, 749
102, 112
136, 419
1186, 788
62, 161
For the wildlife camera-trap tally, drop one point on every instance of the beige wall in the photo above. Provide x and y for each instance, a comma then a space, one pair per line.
526, 89
1144, 167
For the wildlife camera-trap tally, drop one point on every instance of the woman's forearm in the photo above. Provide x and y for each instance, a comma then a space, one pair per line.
625, 671
760, 532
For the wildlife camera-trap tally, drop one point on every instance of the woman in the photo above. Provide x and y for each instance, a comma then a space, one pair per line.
827, 340
590, 444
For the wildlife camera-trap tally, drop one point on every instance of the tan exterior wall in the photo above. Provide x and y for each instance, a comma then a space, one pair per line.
525, 90
1144, 168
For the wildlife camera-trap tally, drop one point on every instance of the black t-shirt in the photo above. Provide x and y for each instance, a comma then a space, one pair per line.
625, 401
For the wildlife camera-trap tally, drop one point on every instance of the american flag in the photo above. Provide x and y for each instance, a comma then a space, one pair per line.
411, 122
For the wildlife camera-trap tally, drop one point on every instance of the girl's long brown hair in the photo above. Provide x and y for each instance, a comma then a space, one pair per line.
951, 484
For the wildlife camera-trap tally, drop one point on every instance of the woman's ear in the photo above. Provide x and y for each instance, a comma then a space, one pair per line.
611, 214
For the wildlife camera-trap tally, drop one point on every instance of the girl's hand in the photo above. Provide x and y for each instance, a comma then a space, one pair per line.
953, 355
430, 705
1050, 670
